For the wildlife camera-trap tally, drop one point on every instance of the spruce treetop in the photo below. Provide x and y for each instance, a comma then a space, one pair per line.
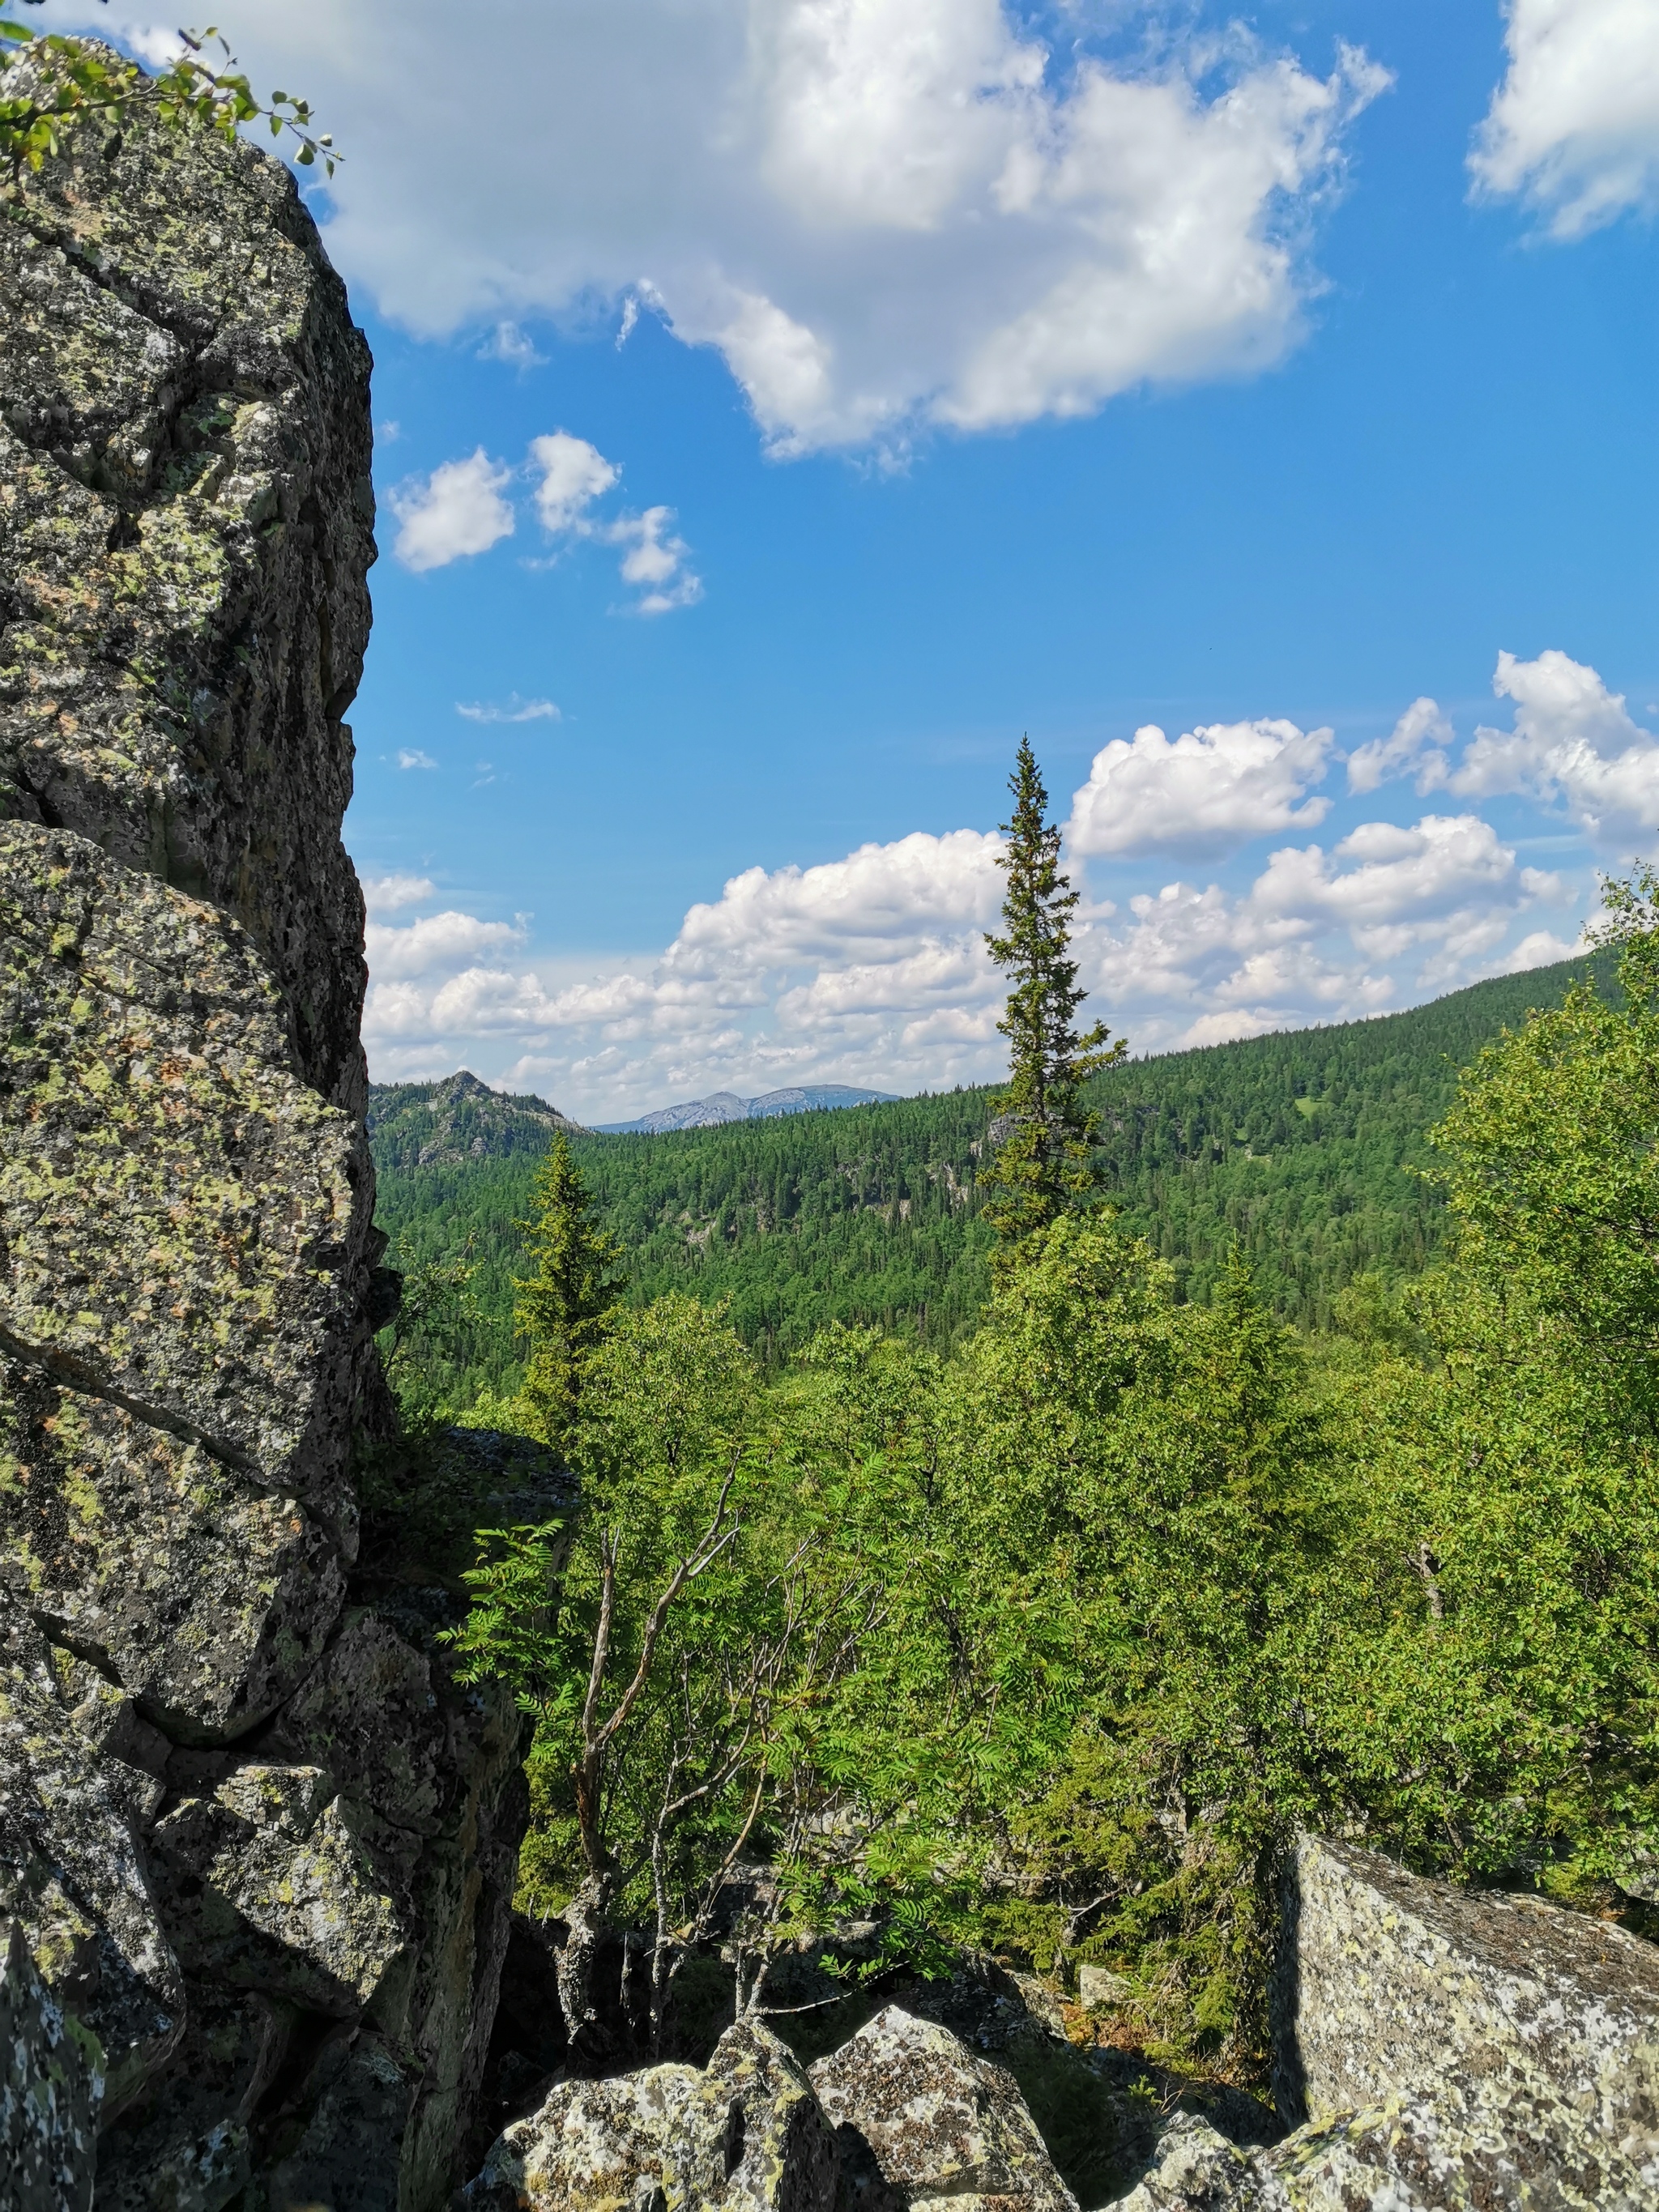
564, 1306
1045, 1164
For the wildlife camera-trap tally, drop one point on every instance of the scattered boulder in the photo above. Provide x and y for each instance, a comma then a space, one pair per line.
1098, 1989
745, 2132
936, 2120
1388, 1985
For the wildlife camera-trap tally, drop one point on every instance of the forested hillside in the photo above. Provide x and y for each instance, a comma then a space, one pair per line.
1305, 1149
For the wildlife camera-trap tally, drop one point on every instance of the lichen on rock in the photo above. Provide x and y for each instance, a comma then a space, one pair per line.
257, 1838
937, 2120
1446, 2051
185, 528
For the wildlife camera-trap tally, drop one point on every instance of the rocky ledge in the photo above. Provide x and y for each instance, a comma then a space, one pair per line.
257, 1847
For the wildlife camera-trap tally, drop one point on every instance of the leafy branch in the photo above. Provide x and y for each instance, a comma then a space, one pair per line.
68, 80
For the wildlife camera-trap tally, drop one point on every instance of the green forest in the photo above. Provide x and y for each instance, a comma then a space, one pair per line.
1213, 1446
1308, 1154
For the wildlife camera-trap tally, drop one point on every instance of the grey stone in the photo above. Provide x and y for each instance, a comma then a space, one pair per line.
51, 2087
746, 2132
189, 1277
186, 1222
186, 526
72, 1873
939, 2121
351, 2155
188, 2147
775, 2150
370, 1714
1527, 2025
263, 1891
1448, 2051
1098, 1989
207, 1597
590, 2144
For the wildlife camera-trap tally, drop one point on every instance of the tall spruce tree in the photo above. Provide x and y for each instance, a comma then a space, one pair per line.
563, 1309
1044, 1163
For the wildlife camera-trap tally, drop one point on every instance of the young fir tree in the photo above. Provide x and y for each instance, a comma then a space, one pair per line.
564, 1308
1045, 1163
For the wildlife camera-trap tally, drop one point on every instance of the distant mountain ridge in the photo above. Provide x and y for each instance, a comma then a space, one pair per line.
723, 1106
420, 1125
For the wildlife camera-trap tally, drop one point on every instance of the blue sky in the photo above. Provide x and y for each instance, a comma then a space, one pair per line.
897, 375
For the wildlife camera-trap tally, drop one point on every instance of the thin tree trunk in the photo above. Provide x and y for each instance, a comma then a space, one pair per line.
591, 2039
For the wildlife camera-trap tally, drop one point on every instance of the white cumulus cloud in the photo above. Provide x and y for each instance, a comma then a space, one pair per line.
457, 510
1573, 744
1209, 792
390, 894
880, 215
412, 756
793, 974
1416, 745
872, 968
655, 561
438, 941
1574, 126
573, 474
508, 343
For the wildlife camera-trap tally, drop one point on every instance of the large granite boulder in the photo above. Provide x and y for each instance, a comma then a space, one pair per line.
1442, 2049
745, 2132
259, 1841
1388, 1985
919, 2117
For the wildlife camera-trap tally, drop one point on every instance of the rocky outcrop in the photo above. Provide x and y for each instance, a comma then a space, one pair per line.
257, 1840
185, 529
1442, 2048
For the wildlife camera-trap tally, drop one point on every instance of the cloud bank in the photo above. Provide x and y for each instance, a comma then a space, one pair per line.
873, 968
881, 217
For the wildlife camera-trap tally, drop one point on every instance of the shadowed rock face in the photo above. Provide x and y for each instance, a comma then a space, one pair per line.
48, 2097
255, 1839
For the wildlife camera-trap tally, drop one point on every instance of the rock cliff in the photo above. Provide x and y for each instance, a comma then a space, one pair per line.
253, 1838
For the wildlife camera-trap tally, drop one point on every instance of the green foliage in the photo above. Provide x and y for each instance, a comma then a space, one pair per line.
563, 1309
1045, 1160
1551, 1141
1305, 1151
74, 80
1048, 1639
437, 1313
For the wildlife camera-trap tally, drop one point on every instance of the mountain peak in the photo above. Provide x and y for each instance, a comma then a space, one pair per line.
722, 1106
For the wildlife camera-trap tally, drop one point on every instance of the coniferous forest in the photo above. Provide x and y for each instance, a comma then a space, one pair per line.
1309, 1152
